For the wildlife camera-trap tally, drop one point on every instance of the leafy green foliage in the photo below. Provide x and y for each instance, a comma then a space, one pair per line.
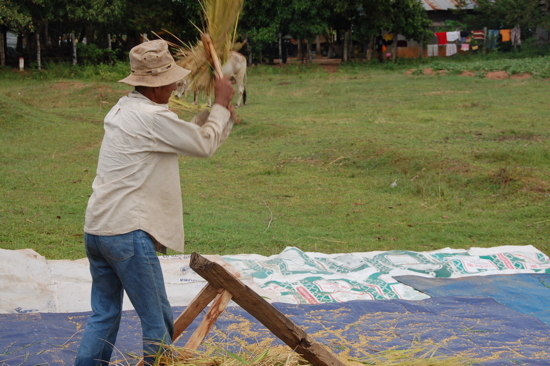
12, 14
509, 13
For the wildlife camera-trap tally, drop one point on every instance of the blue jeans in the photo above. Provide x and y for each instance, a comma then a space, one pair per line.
126, 262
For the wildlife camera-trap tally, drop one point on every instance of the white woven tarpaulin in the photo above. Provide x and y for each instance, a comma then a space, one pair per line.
30, 283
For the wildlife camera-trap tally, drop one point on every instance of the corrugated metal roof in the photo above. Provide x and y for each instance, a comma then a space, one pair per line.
445, 4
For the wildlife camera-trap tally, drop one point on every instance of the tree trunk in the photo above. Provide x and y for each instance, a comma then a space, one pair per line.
345, 52
82, 34
351, 48
371, 48
90, 33
38, 57
300, 50
280, 49
421, 47
3, 48
394, 48
110, 47
27, 46
318, 45
73, 41
331, 48
46, 34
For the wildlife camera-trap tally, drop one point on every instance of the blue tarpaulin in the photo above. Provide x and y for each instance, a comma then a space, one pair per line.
527, 293
473, 327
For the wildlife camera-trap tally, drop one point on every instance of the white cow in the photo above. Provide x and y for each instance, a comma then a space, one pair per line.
235, 68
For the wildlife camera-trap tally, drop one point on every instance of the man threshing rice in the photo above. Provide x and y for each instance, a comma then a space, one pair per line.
136, 204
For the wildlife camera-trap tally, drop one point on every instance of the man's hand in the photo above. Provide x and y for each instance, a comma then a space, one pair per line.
224, 92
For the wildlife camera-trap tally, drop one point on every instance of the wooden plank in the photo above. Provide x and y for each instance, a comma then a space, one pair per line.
209, 319
266, 313
201, 301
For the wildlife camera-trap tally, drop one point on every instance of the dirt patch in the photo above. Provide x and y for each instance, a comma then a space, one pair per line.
521, 76
442, 92
428, 71
61, 85
468, 73
331, 68
408, 72
536, 185
497, 75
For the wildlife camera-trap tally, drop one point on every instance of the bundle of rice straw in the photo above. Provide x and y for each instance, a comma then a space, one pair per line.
221, 18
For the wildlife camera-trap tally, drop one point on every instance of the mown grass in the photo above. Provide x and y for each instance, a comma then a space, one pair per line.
311, 165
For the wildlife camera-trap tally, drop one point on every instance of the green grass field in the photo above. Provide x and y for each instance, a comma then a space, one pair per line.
311, 165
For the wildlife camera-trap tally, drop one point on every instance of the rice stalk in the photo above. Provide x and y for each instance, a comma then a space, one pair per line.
221, 19
180, 105
260, 355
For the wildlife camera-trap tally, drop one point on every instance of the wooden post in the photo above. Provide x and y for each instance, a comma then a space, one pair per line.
209, 319
484, 41
421, 47
201, 301
207, 294
267, 314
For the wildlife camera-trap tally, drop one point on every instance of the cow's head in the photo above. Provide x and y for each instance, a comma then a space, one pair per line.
181, 87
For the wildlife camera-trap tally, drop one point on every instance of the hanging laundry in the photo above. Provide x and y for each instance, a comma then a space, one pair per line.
505, 33
515, 35
465, 47
388, 37
465, 33
401, 43
441, 37
451, 49
492, 38
452, 36
475, 47
478, 34
433, 50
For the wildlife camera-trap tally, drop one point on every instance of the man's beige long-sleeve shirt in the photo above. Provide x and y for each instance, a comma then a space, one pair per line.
137, 185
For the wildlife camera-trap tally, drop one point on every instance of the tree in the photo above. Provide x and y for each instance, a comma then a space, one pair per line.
308, 19
509, 13
405, 17
261, 22
11, 16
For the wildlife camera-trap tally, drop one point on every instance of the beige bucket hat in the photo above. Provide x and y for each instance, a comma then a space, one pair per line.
153, 65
